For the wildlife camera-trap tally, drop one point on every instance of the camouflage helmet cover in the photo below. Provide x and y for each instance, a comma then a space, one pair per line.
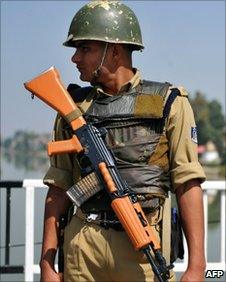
107, 21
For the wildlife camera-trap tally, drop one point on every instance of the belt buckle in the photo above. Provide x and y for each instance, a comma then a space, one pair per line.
91, 217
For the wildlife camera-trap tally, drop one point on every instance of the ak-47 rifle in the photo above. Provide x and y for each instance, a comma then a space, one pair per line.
88, 142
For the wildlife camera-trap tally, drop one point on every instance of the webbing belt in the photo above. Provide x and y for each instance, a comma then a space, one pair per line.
108, 219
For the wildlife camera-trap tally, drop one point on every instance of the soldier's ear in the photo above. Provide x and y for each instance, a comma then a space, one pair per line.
116, 50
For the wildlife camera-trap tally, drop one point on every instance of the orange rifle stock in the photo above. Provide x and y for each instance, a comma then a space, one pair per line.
48, 87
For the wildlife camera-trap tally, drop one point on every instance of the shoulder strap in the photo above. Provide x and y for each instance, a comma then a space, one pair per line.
169, 99
172, 96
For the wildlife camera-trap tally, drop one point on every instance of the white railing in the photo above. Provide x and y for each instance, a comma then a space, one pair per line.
31, 268
209, 187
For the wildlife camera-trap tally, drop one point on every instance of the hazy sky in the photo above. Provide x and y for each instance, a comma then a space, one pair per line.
184, 40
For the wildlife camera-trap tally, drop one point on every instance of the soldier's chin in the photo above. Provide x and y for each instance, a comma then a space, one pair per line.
84, 78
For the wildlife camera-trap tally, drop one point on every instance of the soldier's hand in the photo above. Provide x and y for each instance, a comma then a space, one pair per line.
192, 275
49, 274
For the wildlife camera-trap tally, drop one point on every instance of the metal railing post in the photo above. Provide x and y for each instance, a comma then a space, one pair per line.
7, 232
29, 233
205, 203
222, 221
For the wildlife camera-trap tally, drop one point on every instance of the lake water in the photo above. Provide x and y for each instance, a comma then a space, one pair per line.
10, 172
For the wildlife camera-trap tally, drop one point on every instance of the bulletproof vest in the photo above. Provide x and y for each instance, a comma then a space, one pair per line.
135, 123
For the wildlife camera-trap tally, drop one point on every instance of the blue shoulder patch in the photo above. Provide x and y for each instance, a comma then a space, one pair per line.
194, 137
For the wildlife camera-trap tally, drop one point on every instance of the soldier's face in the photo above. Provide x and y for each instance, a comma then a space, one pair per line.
87, 58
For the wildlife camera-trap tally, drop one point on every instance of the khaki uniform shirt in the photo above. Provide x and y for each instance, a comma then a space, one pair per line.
180, 130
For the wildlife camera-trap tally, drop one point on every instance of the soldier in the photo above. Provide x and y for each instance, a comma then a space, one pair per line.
151, 131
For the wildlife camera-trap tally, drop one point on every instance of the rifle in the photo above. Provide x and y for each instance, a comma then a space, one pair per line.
87, 142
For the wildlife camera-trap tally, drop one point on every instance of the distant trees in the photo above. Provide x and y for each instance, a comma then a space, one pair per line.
26, 142
210, 121
27, 150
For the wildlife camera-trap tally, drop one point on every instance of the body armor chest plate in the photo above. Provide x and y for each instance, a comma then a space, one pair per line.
135, 123
135, 134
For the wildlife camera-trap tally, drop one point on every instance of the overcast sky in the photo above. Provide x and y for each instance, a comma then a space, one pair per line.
184, 44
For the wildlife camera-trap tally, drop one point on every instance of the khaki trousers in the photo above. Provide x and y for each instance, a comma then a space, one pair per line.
93, 253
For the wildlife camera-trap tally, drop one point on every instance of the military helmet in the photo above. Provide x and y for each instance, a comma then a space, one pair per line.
107, 21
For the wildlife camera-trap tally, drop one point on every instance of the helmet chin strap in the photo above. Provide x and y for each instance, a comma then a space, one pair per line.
96, 73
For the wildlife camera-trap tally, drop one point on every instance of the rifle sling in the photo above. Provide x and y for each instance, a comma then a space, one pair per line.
73, 115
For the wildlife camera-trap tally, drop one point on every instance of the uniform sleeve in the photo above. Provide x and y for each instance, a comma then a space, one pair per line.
64, 170
182, 136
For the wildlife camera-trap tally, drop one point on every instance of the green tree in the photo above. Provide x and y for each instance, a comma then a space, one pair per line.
217, 121
209, 120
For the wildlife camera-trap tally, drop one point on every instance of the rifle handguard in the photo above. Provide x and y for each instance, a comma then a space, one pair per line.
107, 177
